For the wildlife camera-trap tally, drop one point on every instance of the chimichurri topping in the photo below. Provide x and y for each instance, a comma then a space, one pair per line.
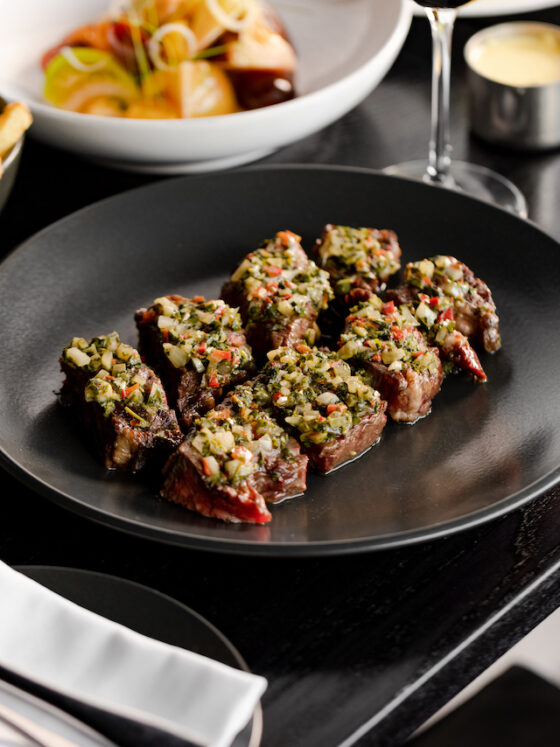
443, 276
384, 333
278, 284
235, 440
204, 335
121, 379
356, 252
316, 393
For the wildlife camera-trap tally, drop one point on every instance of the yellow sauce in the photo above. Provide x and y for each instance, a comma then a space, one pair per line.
529, 58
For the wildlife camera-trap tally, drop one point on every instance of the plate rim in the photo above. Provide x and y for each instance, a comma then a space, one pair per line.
310, 548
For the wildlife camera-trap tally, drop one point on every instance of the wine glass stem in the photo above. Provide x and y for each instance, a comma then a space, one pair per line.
439, 157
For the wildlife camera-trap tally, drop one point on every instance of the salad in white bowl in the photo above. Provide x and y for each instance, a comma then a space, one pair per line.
172, 59
165, 86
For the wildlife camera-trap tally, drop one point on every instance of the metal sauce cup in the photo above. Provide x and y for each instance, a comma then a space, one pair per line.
525, 117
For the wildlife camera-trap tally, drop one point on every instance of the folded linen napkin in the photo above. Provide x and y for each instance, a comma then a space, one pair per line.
61, 646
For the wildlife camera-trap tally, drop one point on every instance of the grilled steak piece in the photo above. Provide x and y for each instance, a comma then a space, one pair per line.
120, 403
436, 315
384, 341
333, 413
199, 349
359, 261
235, 460
279, 292
449, 279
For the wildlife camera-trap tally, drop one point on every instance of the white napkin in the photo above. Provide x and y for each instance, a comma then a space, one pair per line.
60, 645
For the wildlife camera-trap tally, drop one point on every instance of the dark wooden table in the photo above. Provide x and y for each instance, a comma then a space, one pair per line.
359, 647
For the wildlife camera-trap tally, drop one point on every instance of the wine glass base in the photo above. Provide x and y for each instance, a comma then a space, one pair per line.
472, 179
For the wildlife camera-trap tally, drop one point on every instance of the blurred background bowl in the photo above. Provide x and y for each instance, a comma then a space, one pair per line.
344, 47
10, 166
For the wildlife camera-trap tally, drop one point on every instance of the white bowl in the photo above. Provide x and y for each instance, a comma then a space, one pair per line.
345, 48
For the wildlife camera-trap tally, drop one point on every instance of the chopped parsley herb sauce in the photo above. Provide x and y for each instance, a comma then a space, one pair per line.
280, 282
355, 252
119, 378
441, 276
204, 335
316, 393
384, 333
235, 440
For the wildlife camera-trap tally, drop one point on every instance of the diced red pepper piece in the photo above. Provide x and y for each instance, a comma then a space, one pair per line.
198, 299
201, 349
272, 271
221, 355
128, 391
388, 308
213, 381
446, 316
286, 236
206, 466
398, 333
434, 301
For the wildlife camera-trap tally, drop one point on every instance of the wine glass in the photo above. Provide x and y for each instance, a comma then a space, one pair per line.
439, 170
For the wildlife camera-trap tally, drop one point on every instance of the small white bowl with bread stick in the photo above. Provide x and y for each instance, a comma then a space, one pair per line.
15, 119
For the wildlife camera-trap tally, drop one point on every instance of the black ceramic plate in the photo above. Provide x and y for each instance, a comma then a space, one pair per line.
150, 613
482, 451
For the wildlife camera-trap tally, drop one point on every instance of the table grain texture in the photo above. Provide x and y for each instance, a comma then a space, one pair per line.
356, 648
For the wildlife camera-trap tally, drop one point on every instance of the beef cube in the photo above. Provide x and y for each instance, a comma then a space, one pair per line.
119, 402
279, 292
436, 311
384, 340
473, 307
235, 460
199, 349
333, 413
359, 261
